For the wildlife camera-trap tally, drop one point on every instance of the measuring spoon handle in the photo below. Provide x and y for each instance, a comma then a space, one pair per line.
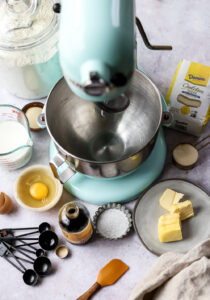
94, 288
18, 239
27, 228
14, 265
27, 244
12, 254
26, 234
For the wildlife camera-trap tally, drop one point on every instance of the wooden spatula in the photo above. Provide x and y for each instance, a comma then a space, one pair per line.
107, 276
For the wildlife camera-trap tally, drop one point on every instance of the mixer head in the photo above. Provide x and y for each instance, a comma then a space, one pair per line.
97, 47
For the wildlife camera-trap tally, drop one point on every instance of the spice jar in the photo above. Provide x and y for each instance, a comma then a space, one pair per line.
29, 63
75, 223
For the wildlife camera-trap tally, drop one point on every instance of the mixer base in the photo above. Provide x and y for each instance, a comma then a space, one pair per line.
117, 189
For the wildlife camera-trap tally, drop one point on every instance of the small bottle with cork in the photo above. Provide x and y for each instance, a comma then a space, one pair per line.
75, 223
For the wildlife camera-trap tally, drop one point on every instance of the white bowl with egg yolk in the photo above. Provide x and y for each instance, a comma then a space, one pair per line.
41, 176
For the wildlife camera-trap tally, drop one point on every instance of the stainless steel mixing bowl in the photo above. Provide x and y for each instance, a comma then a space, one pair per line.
98, 142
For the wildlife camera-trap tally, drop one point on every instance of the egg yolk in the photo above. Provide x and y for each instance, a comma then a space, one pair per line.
38, 190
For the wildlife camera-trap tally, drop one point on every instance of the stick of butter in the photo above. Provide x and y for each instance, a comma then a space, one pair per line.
178, 197
185, 209
169, 228
170, 197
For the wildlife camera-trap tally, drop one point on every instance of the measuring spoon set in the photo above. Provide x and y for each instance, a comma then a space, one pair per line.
36, 257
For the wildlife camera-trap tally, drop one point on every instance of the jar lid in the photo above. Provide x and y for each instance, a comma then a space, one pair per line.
24, 23
62, 251
32, 111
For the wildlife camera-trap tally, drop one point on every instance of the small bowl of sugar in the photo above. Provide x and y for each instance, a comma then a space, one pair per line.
112, 221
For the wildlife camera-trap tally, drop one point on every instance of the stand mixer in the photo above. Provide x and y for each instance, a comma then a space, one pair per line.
105, 117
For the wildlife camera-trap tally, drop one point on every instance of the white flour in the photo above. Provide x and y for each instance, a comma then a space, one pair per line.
112, 223
31, 72
42, 20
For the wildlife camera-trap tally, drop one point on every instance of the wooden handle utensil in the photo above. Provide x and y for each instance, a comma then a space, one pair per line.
108, 275
94, 288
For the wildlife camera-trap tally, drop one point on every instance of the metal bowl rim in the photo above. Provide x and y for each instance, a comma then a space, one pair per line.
106, 162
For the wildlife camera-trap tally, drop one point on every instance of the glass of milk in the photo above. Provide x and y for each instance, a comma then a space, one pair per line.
15, 138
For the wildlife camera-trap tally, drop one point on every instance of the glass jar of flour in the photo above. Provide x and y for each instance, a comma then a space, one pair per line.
29, 63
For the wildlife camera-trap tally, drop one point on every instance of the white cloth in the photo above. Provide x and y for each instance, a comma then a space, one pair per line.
177, 276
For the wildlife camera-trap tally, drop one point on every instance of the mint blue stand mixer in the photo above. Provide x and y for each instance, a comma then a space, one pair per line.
105, 116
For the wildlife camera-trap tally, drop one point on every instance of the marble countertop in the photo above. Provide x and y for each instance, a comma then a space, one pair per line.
184, 25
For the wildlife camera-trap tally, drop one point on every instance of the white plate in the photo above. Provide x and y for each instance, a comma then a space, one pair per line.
148, 210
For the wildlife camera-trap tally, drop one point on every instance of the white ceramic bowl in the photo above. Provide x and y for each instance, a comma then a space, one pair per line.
58, 194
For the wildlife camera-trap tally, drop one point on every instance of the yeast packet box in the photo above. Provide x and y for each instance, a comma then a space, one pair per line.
188, 97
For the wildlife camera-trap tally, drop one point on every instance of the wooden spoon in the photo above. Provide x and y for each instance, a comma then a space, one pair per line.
106, 276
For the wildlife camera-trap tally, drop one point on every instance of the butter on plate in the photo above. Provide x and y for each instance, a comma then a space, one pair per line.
170, 197
169, 225
169, 228
185, 209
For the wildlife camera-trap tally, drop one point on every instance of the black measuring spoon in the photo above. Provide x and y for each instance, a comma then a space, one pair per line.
42, 264
42, 227
37, 252
18, 250
48, 240
30, 277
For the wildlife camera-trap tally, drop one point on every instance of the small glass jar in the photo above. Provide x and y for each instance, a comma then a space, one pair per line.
29, 62
75, 223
